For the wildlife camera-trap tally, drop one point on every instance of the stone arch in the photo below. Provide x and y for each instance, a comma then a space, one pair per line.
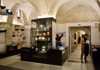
14, 9
87, 3
79, 13
54, 3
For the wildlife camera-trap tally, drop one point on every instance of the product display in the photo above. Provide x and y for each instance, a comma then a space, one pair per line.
43, 49
48, 33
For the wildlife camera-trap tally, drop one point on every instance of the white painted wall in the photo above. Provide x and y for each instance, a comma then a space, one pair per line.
95, 34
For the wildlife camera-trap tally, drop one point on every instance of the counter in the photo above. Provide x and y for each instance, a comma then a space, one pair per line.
52, 56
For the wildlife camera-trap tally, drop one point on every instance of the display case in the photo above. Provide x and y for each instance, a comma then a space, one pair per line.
41, 36
43, 48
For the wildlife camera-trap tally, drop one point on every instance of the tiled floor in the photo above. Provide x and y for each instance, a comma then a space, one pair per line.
72, 63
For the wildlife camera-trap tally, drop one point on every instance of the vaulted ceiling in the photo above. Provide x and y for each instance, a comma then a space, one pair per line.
64, 11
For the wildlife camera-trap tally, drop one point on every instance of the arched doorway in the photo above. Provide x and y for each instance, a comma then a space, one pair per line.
75, 33
78, 35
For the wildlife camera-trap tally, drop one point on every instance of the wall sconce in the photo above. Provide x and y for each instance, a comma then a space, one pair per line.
18, 13
3, 10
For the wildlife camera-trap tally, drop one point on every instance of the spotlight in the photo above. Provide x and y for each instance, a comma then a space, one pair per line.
5, 12
9, 11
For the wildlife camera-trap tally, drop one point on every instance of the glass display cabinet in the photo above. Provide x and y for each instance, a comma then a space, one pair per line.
41, 35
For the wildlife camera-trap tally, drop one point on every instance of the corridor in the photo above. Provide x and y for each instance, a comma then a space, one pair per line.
75, 62
72, 63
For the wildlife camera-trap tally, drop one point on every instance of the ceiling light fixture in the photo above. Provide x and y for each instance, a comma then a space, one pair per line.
19, 13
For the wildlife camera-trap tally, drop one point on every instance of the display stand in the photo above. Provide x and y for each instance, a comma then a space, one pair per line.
43, 34
53, 56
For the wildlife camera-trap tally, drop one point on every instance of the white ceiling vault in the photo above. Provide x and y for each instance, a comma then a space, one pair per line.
63, 10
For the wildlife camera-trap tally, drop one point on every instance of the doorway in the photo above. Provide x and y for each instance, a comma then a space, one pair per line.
75, 33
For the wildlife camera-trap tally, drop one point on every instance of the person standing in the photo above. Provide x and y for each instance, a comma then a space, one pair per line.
82, 42
86, 47
58, 40
79, 38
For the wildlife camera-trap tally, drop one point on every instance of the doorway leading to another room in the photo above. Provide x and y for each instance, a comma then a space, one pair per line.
74, 36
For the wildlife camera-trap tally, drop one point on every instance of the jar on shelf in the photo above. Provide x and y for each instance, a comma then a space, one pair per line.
43, 48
